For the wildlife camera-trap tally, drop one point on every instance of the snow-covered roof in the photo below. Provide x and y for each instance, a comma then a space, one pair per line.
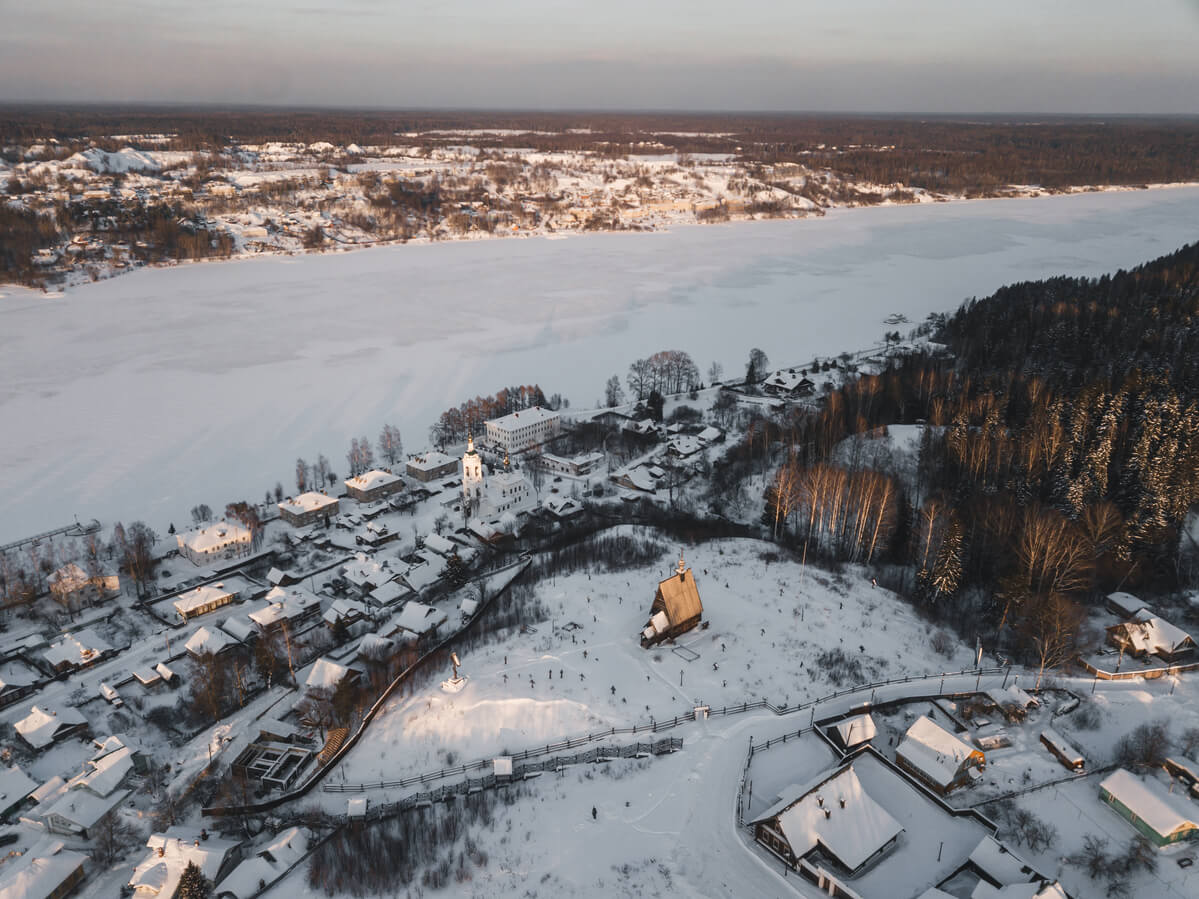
81, 809
984, 890
181, 846
307, 502
385, 594
40, 871
373, 645
468, 607
709, 434
1154, 635
267, 865
562, 506
15, 785
106, 773
283, 604
641, 479
1062, 745
440, 545
363, 570
418, 617
163, 671
372, 480
15, 676
841, 817
787, 379
1128, 604
685, 444
207, 639
514, 420
856, 730
934, 751
430, 461
200, 597
82, 648
1164, 812
51, 788
326, 674
344, 609
114, 743
239, 627
40, 727
418, 577
1012, 696
214, 536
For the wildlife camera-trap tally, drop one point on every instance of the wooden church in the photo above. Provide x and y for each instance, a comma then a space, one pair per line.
676, 607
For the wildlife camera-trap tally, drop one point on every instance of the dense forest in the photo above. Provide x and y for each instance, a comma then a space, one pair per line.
1059, 458
947, 154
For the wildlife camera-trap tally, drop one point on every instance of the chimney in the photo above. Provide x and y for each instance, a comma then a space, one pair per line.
820, 801
162, 850
204, 832
828, 813
842, 802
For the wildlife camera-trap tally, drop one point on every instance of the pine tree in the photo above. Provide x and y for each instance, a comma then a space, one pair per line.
947, 569
193, 884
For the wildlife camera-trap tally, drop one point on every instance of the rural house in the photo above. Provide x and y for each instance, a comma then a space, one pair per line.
937, 757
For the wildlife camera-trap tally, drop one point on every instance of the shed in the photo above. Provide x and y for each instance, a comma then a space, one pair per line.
1062, 749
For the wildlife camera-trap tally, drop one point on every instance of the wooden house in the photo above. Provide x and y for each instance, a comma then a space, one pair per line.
676, 609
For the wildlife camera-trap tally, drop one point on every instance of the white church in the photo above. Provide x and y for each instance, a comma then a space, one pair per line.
490, 497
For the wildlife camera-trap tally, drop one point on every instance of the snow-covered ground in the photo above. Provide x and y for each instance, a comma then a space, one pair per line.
584, 671
141, 396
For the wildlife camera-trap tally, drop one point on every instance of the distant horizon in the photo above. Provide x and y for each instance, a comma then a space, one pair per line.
1024, 57
219, 106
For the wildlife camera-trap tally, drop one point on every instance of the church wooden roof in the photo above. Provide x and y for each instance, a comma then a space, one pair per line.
679, 597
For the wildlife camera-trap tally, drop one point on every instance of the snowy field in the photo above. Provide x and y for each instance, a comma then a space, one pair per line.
141, 396
602, 678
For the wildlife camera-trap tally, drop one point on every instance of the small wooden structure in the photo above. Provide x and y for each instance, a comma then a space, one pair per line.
1062, 750
676, 609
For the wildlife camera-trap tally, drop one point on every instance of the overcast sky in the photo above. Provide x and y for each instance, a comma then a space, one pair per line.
1086, 56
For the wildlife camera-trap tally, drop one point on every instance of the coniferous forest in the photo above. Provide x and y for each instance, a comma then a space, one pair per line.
1060, 459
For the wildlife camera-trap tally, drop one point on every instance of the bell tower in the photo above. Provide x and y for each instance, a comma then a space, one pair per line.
472, 477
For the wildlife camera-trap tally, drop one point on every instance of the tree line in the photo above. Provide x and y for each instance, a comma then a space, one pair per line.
454, 425
1058, 456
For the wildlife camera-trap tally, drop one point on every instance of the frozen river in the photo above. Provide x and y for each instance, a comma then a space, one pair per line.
141, 396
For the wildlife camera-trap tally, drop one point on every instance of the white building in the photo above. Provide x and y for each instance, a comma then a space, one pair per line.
489, 498
522, 430
223, 540
202, 599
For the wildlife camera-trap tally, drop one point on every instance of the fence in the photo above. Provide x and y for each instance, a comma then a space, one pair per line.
1069, 778
519, 771
1147, 673
654, 726
302, 790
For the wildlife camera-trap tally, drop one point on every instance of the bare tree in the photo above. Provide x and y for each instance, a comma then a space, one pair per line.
613, 393
112, 837
1052, 627
391, 447
301, 475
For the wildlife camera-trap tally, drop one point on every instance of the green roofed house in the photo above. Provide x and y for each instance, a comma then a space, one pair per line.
1161, 817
